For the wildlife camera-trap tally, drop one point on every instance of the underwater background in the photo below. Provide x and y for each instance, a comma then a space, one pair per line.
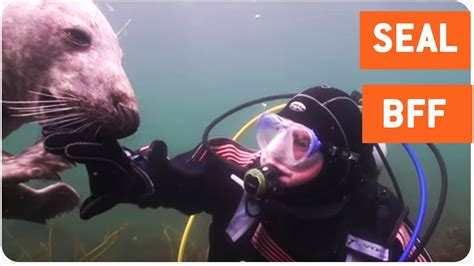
190, 62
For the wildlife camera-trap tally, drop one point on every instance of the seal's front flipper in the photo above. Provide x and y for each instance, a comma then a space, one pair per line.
57, 199
31, 164
40, 204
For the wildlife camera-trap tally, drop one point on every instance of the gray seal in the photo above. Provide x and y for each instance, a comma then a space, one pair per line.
61, 67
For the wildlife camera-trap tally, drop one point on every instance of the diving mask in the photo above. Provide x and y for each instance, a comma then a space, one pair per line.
287, 142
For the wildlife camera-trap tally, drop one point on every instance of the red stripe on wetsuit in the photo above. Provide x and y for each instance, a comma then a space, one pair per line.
404, 236
263, 243
232, 153
228, 151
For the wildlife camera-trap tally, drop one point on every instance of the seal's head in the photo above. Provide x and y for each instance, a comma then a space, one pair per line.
64, 59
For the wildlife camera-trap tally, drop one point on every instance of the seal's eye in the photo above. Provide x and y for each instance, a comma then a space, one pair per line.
78, 37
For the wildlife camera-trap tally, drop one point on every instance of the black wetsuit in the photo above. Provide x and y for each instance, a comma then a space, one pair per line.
195, 182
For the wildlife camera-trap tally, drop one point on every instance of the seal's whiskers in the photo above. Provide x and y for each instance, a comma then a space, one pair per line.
51, 95
97, 131
84, 127
42, 112
34, 102
30, 108
90, 133
67, 122
123, 28
60, 117
69, 94
70, 122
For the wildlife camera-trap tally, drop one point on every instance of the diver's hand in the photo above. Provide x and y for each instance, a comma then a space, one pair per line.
56, 142
115, 175
118, 178
124, 178
110, 175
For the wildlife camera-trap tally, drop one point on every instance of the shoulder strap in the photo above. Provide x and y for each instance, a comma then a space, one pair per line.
374, 226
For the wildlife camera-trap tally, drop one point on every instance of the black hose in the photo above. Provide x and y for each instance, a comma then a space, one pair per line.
205, 135
390, 173
439, 209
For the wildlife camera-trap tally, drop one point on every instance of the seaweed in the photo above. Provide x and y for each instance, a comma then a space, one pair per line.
197, 252
50, 243
193, 253
109, 241
168, 236
107, 248
79, 250
19, 245
452, 245
48, 248
46, 252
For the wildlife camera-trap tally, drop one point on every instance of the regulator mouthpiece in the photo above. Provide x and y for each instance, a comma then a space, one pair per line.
261, 181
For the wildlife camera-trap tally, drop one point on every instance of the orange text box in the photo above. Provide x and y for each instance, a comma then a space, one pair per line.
451, 122
445, 40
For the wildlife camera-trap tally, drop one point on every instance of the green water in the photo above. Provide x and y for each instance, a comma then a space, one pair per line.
188, 63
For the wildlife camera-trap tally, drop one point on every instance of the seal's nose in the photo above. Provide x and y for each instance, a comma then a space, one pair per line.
118, 98
127, 115
130, 120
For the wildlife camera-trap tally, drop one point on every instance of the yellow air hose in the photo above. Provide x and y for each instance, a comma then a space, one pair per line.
192, 218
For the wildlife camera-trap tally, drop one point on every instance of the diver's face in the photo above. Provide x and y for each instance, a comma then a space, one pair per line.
292, 176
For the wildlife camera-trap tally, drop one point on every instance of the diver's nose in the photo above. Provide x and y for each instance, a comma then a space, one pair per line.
264, 159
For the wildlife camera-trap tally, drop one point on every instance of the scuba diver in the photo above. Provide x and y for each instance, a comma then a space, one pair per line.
310, 193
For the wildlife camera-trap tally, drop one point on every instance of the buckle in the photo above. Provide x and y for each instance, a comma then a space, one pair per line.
350, 156
342, 153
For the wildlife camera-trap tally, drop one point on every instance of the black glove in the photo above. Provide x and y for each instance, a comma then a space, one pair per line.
115, 175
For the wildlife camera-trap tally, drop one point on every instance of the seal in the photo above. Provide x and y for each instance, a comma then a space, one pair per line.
62, 67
